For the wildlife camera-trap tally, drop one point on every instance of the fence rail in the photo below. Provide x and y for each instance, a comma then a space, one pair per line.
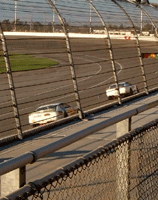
124, 169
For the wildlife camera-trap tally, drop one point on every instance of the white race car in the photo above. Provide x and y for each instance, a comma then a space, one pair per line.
125, 88
49, 113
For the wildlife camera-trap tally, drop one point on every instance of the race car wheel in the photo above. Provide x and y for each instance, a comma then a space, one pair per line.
65, 114
35, 125
109, 98
131, 92
137, 90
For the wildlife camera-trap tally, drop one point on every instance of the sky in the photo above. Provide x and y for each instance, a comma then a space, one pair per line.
39, 10
154, 1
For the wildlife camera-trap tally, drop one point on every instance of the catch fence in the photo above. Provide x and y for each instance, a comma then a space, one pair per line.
124, 169
84, 46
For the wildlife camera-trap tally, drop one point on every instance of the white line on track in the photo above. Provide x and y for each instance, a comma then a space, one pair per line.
100, 68
88, 78
108, 78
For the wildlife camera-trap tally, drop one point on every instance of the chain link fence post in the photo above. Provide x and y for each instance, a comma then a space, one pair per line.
11, 84
122, 158
13, 180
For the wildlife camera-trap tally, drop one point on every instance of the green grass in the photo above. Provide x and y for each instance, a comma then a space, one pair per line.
20, 62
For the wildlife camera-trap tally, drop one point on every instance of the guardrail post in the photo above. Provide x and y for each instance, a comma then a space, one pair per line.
123, 127
11, 84
13, 180
122, 157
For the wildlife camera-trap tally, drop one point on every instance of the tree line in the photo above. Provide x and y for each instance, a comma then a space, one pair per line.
24, 26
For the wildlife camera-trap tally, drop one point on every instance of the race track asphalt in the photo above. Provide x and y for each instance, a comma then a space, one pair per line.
93, 69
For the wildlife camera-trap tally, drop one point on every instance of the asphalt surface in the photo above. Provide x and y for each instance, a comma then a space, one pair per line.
48, 164
93, 70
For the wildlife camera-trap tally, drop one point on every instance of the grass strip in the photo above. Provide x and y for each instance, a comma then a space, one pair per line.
22, 62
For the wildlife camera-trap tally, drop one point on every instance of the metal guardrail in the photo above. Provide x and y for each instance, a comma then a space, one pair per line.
123, 169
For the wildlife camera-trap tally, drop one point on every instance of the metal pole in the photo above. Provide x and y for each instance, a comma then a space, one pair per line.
90, 19
11, 84
16, 5
152, 22
31, 22
138, 48
53, 18
110, 50
70, 57
141, 25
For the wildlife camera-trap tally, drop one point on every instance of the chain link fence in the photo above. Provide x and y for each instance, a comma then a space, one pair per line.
91, 49
124, 169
